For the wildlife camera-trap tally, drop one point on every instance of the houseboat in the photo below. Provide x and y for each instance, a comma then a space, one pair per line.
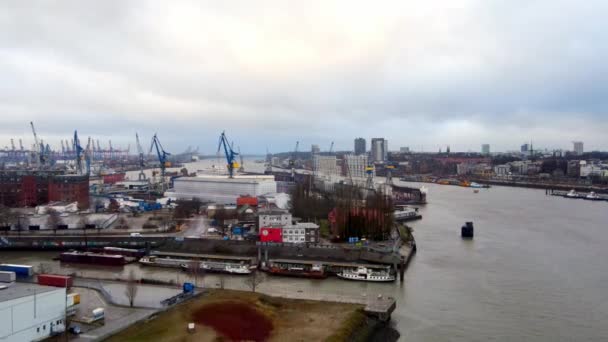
367, 274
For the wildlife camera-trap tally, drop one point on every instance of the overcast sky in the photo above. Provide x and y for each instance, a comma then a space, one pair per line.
422, 74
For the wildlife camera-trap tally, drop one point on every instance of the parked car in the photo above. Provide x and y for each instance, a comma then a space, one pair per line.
75, 329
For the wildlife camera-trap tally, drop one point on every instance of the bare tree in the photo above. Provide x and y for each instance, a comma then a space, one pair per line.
222, 281
131, 289
53, 219
194, 267
254, 280
122, 223
8, 217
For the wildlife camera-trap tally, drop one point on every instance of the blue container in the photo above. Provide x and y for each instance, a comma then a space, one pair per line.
237, 231
20, 270
188, 287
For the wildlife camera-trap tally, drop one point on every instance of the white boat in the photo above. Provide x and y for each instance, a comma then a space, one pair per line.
222, 267
163, 262
593, 196
572, 193
475, 185
367, 274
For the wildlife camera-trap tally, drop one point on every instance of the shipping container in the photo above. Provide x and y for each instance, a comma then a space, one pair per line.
73, 299
98, 313
188, 287
268, 234
20, 270
7, 277
55, 280
247, 200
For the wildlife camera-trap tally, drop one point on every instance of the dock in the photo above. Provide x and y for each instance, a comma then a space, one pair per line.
381, 307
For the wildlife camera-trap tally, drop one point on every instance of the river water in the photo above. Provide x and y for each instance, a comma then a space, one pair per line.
537, 269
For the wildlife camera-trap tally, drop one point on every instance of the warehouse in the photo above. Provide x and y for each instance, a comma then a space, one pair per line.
30, 312
221, 189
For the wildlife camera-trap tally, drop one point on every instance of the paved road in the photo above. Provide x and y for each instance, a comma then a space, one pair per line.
196, 226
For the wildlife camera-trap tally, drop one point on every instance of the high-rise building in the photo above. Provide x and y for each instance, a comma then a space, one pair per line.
378, 149
578, 147
356, 165
315, 149
360, 147
525, 148
404, 149
485, 149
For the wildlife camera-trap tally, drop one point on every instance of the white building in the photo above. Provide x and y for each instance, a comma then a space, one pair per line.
590, 170
301, 232
31, 312
221, 189
325, 165
502, 170
274, 218
356, 165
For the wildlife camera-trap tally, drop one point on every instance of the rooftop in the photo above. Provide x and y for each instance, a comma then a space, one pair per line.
18, 290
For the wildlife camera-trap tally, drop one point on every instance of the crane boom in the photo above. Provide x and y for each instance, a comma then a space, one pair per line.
140, 152
37, 155
162, 158
229, 153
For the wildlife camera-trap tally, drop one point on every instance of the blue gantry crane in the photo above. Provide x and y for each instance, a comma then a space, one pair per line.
79, 153
162, 158
232, 164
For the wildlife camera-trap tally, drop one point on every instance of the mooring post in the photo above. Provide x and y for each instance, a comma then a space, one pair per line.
266, 255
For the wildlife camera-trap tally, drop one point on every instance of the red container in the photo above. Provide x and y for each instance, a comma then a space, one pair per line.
271, 234
55, 280
247, 200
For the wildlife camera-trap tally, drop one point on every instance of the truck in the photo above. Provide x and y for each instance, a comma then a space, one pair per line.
7, 277
21, 271
55, 280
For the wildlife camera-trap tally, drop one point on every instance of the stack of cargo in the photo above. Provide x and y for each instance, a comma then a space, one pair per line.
55, 280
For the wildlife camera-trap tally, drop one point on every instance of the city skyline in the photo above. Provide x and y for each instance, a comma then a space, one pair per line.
424, 75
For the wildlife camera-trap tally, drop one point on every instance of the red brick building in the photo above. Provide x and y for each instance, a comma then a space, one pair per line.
31, 188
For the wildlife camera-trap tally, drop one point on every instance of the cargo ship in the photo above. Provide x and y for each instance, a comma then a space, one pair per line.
367, 274
294, 268
92, 258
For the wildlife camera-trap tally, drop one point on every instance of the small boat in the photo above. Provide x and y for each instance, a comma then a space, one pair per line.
475, 185
467, 231
476, 191
572, 194
367, 274
593, 196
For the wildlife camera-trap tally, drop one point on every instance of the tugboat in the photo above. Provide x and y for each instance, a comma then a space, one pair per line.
466, 232
367, 274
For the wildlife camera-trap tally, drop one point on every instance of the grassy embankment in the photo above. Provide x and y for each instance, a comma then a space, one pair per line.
292, 320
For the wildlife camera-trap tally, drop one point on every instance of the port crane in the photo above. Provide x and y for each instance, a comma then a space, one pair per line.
331, 148
292, 161
162, 158
79, 151
142, 164
229, 153
241, 167
37, 148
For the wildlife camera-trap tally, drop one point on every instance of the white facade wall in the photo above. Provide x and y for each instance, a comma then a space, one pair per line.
301, 233
590, 170
274, 219
356, 165
326, 165
221, 189
32, 317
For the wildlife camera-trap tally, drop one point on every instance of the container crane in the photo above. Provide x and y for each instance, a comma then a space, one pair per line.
162, 158
331, 148
37, 156
229, 153
78, 151
292, 161
140, 152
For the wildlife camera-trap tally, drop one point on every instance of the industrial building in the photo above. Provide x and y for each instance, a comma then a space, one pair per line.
301, 232
32, 188
221, 189
274, 218
31, 312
